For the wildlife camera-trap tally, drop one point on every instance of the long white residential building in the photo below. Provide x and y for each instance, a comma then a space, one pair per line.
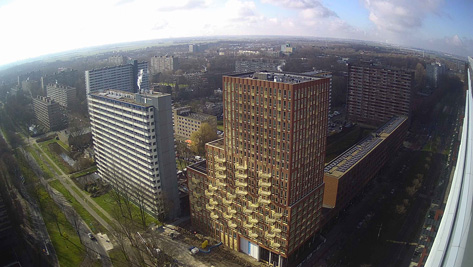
134, 148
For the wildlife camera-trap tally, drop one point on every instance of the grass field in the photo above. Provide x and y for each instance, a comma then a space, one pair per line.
69, 250
57, 159
108, 203
94, 225
46, 171
117, 257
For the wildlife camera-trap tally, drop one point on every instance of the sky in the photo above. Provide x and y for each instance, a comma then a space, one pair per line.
31, 28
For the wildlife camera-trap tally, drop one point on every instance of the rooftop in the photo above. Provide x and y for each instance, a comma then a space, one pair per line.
341, 164
126, 96
281, 77
217, 143
199, 166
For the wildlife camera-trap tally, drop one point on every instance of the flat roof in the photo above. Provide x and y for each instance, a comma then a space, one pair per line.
200, 166
197, 116
217, 143
120, 95
281, 77
344, 162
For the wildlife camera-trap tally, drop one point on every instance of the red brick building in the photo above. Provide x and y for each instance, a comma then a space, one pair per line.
261, 189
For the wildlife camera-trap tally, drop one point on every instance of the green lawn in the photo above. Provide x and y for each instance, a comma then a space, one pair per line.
57, 159
107, 202
117, 257
94, 225
66, 242
46, 171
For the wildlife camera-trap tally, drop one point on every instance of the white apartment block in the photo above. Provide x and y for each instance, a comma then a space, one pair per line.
64, 95
134, 148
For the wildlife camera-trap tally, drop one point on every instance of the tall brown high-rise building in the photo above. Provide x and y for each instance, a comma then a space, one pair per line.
261, 189
377, 94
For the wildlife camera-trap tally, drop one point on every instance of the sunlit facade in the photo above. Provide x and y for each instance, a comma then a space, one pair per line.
262, 188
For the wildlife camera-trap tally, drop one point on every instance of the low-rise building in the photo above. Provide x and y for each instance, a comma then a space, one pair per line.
187, 122
49, 113
348, 173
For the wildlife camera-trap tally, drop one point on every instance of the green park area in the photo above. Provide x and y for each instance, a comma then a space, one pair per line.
109, 201
69, 250
66, 242
53, 148
93, 224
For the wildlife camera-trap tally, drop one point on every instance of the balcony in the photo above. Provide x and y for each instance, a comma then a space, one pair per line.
252, 234
220, 184
209, 207
211, 187
240, 167
270, 235
275, 244
209, 193
270, 220
264, 201
264, 175
276, 215
213, 216
264, 184
226, 201
227, 216
241, 175
252, 220
220, 168
231, 211
248, 225
247, 211
253, 205
197, 209
213, 202
264, 193
276, 230
231, 196
232, 224
241, 192
219, 160
220, 176
238, 183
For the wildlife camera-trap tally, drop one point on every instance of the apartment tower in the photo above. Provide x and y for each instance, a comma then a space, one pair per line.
49, 114
122, 77
134, 147
376, 94
64, 95
260, 190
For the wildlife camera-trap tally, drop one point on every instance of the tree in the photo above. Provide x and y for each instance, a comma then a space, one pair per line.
205, 134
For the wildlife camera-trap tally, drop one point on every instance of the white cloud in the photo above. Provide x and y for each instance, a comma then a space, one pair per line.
314, 7
400, 16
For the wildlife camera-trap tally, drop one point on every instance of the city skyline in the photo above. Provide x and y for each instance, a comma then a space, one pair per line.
61, 26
